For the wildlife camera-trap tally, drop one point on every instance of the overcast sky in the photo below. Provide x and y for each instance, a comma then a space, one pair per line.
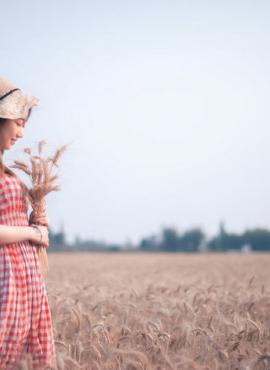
165, 104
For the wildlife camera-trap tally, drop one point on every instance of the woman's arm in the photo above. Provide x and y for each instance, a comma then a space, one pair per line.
14, 234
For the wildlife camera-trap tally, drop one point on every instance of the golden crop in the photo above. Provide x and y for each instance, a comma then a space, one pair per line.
160, 311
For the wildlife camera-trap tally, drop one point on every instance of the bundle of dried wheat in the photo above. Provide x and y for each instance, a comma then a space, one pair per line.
40, 171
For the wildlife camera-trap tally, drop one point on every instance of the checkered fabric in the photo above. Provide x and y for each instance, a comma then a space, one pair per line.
25, 318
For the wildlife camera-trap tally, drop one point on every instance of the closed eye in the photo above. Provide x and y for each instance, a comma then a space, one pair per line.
20, 123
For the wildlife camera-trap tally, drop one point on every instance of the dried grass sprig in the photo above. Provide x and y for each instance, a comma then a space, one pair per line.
40, 170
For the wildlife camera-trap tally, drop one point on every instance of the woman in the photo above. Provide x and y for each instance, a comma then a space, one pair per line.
25, 319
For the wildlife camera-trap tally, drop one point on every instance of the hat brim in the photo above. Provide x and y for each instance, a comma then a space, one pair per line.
17, 105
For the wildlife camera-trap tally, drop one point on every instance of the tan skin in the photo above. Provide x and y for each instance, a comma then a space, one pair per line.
10, 132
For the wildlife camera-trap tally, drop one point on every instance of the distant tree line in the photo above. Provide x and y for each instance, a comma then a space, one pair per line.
57, 240
171, 240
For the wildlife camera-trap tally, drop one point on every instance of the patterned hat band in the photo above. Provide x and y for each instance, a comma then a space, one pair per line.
8, 93
14, 103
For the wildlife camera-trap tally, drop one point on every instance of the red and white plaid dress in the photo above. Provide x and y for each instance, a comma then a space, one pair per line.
25, 318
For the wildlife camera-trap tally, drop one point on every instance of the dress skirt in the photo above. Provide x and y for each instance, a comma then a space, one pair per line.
25, 317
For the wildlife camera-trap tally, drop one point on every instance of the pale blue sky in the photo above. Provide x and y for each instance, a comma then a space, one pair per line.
165, 103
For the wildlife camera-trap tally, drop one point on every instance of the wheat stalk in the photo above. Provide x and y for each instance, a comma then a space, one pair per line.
40, 171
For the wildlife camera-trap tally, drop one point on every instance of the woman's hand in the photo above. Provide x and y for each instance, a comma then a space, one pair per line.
39, 214
40, 235
41, 219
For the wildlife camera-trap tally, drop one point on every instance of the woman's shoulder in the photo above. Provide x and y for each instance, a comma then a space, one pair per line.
11, 177
8, 171
10, 183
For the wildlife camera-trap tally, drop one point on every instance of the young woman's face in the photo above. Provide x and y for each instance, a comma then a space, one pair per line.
10, 131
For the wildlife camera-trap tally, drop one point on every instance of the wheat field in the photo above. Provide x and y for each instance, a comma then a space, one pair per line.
134, 311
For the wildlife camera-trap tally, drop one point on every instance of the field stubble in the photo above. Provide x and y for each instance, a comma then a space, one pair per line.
160, 311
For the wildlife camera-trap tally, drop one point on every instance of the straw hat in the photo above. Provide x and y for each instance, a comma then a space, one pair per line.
14, 103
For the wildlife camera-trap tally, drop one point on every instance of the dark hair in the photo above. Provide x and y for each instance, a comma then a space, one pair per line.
29, 113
